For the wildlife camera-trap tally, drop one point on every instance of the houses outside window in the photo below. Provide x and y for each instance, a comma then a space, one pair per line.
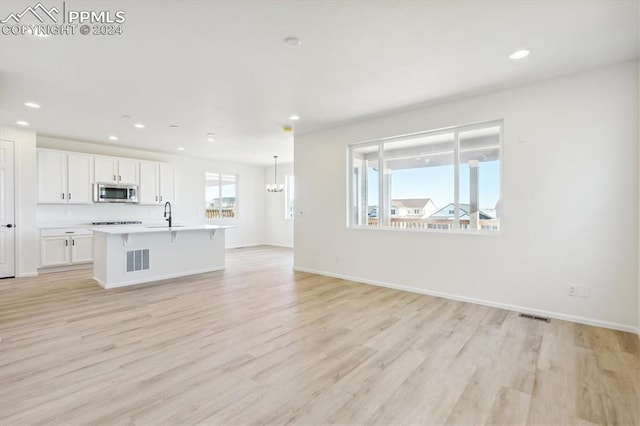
221, 196
446, 179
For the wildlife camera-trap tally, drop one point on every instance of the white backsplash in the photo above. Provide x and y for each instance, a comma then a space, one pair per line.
80, 213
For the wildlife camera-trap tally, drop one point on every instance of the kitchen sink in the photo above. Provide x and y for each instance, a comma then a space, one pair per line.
163, 226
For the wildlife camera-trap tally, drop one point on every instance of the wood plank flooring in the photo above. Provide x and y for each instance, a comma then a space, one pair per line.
260, 344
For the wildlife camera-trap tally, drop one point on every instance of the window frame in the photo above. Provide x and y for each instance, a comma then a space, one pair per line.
237, 191
289, 212
381, 210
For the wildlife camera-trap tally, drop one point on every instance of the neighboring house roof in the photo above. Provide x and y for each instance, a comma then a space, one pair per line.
411, 203
443, 213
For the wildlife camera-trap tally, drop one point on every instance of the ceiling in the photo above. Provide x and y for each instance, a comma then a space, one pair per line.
223, 66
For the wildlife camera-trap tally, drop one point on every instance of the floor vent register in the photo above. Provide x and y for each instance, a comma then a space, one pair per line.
535, 317
137, 260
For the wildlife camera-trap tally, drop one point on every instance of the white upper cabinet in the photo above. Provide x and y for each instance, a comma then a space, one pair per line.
52, 177
114, 170
68, 177
128, 171
148, 191
106, 170
157, 183
79, 172
64, 177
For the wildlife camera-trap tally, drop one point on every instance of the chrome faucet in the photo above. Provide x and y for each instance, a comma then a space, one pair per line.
167, 213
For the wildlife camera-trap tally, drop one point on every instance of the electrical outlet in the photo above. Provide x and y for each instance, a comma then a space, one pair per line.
573, 290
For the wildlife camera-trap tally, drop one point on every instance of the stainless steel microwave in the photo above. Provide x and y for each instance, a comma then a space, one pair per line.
114, 193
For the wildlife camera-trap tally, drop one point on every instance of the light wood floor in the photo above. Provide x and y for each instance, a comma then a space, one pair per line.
258, 343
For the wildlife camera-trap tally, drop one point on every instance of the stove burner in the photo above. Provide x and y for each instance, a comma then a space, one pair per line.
122, 222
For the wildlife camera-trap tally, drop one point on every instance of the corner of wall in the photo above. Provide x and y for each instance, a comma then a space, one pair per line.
637, 114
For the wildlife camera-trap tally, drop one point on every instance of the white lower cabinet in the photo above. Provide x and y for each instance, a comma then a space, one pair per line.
61, 247
82, 249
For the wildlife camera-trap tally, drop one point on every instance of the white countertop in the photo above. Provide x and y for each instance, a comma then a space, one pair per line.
55, 225
142, 229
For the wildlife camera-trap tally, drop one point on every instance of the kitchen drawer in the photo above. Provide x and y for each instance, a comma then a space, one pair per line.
57, 232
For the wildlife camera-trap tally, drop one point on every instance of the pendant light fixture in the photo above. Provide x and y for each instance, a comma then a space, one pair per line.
275, 187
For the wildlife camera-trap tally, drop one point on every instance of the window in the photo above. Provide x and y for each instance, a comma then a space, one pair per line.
454, 173
364, 185
289, 189
221, 196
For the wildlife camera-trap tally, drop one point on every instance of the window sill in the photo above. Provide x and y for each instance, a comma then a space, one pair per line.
428, 231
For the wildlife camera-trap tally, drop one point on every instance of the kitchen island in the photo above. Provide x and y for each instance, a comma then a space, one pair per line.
128, 255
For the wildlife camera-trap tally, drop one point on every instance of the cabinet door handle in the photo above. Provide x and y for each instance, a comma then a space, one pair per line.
63, 195
69, 196
119, 178
156, 198
66, 243
161, 198
114, 178
73, 242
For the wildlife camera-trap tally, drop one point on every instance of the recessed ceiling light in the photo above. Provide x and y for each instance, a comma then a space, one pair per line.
32, 105
126, 116
180, 148
211, 140
519, 54
22, 123
174, 126
294, 117
292, 41
139, 126
113, 138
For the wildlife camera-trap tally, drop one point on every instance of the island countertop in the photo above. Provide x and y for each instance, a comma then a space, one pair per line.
142, 229
134, 254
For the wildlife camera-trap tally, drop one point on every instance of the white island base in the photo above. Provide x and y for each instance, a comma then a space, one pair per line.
126, 255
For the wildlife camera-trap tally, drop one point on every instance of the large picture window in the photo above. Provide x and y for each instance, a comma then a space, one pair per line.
221, 196
447, 179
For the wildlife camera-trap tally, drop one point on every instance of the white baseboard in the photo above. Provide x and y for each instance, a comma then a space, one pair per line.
27, 274
245, 246
278, 245
516, 308
64, 268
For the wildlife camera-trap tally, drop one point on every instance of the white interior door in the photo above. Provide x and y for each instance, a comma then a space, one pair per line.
7, 211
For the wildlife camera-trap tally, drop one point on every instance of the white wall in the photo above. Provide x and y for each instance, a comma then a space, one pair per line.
189, 202
569, 143
25, 182
278, 230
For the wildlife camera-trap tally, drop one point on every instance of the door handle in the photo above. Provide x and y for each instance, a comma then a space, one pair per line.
9, 225
69, 196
